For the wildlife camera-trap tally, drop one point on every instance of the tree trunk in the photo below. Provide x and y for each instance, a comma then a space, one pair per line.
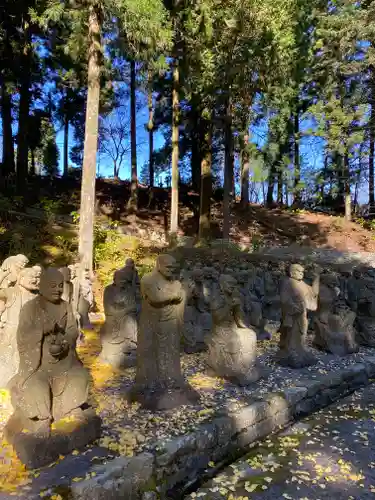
245, 169
348, 200
23, 114
151, 138
6, 119
371, 166
280, 184
86, 227
271, 184
175, 153
204, 232
32, 166
297, 166
228, 169
197, 137
66, 146
133, 200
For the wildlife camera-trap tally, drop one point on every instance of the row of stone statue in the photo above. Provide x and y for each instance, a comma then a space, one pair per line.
51, 382
338, 308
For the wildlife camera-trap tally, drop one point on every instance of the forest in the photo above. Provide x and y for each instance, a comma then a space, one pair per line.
261, 101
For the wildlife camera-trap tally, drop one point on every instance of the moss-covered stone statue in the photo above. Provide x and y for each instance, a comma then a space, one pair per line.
295, 297
51, 383
14, 298
333, 321
119, 332
159, 383
232, 345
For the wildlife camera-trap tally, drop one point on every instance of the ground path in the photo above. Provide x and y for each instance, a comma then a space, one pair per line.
330, 454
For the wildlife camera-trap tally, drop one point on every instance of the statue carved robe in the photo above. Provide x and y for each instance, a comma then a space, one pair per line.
48, 387
159, 383
119, 332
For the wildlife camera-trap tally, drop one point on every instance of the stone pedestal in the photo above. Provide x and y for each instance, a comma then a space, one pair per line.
35, 450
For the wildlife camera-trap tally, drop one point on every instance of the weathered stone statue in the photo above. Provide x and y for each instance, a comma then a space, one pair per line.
232, 345
333, 321
365, 321
354, 286
14, 298
86, 299
51, 382
271, 299
10, 269
119, 332
295, 296
159, 383
209, 284
68, 285
197, 320
251, 305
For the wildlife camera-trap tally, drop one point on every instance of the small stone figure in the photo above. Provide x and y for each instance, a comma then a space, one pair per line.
68, 285
51, 383
119, 332
333, 322
294, 296
197, 321
209, 284
86, 299
232, 345
354, 286
271, 300
10, 269
159, 383
14, 299
365, 321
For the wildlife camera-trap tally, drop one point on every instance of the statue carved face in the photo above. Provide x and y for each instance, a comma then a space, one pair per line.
130, 264
51, 285
167, 266
29, 279
296, 272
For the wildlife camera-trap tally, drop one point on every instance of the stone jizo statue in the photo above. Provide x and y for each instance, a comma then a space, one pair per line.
51, 382
232, 345
295, 295
197, 320
10, 269
365, 321
14, 298
119, 332
334, 321
159, 383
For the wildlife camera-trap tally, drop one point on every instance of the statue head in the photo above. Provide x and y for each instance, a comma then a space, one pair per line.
227, 284
130, 263
51, 284
296, 271
29, 278
20, 261
357, 272
166, 265
15, 263
123, 277
66, 272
